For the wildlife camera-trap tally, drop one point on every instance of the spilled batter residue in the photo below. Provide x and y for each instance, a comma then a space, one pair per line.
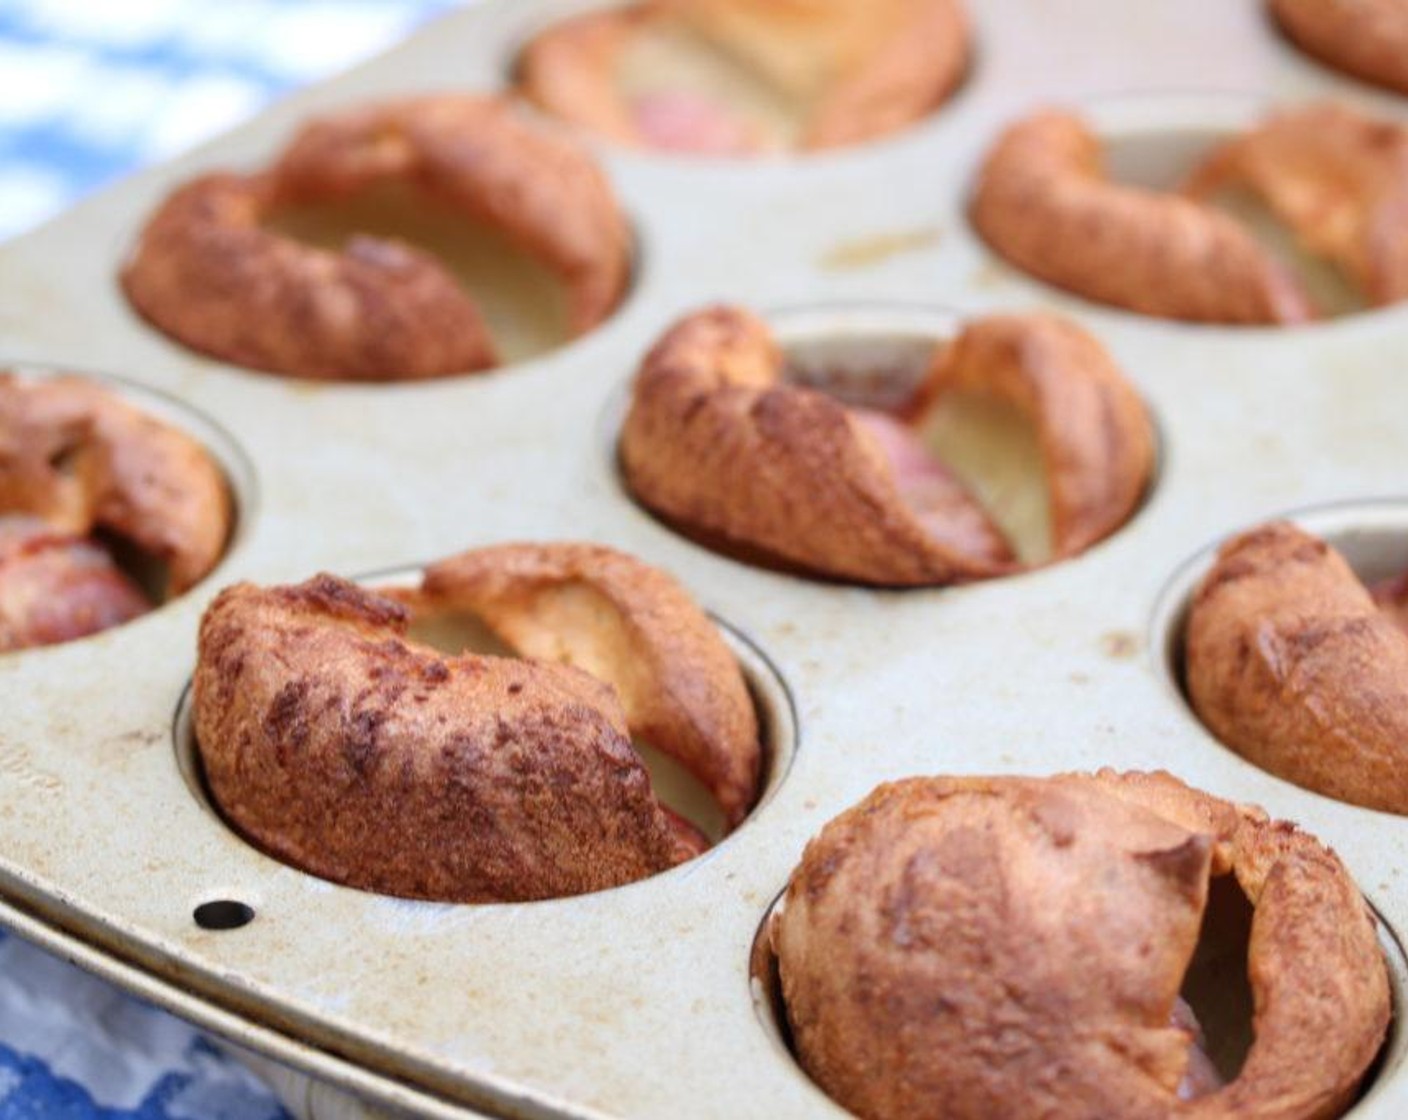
867, 252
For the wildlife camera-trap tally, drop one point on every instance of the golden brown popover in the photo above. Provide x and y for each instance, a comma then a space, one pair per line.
850, 72
344, 747
1336, 179
207, 272
719, 445
981, 947
77, 460
1291, 662
1045, 203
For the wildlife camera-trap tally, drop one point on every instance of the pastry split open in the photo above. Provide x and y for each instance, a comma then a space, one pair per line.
740, 76
1337, 180
210, 272
344, 747
75, 461
1006, 946
1291, 662
718, 444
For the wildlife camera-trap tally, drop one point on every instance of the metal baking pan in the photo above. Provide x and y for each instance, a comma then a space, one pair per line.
638, 1001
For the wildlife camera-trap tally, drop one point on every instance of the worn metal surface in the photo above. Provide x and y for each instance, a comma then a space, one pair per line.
636, 1002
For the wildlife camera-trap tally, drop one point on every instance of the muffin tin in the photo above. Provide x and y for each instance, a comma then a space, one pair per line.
638, 1001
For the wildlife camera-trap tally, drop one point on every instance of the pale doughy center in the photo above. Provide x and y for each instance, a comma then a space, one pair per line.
681, 791
523, 303
581, 612
994, 449
454, 633
1330, 290
666, 59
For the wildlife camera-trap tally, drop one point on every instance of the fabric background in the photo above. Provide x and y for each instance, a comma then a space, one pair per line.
90, 89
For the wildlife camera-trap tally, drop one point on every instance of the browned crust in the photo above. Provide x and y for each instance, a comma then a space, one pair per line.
82, 459
878, 73
1044, 203
1097, 442
977, 947
1368, 38
1290, 663
1335, 177
56, 586
344, 749
713, 442
207, 272
630, 625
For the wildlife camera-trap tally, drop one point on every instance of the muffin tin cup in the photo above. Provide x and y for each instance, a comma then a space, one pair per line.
636, 1001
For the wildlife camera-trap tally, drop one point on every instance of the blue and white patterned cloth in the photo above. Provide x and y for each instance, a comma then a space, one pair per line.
90, 89
74, 1048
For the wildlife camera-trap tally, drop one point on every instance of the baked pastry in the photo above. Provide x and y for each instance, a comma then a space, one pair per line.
822, 73
1292, 664
1045, 203
717, 444
1366, 38
76, 460
208, 273
344, 747
979, 947
1335, 177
